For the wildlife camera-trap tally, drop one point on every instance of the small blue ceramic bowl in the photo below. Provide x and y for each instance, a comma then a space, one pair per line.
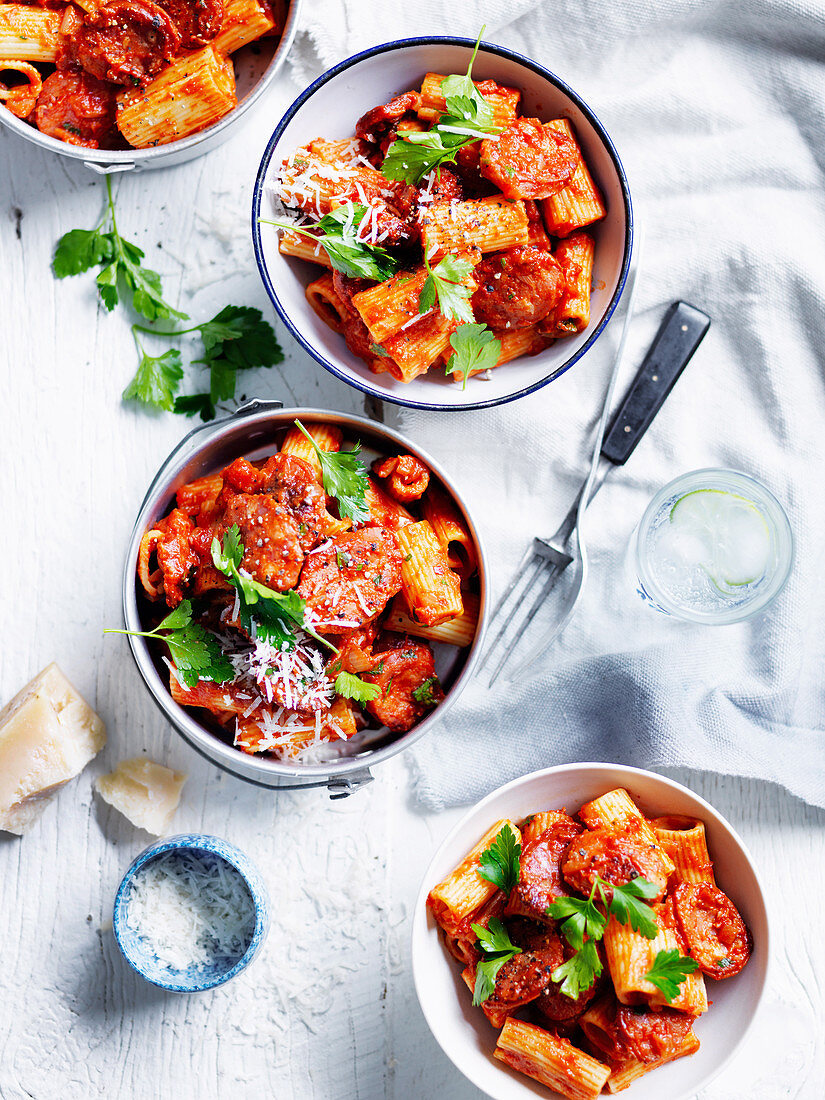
138, 952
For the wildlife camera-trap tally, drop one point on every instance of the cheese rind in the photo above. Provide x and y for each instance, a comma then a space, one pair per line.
143, 791
48, 734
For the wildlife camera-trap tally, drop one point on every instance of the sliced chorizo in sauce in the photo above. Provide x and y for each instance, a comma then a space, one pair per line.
374, 125
269, 533
127, 42
539, 881
717, 937
76, 108
349, 579
616, 856
517, 288
198, 21
400, 672
528, 160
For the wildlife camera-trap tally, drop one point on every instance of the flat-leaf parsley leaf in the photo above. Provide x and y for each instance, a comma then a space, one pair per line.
345, 478
474, 349
353, 687
669, 970
499, 863
497, 949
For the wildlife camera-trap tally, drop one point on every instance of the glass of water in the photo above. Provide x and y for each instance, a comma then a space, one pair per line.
714, 546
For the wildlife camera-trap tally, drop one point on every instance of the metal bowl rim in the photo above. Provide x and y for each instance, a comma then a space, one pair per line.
435, 40
195, 735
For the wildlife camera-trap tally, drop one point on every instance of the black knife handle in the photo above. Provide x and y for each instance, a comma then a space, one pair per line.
679, 335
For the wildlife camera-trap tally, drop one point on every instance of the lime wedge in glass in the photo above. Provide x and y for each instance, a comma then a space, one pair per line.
724, 533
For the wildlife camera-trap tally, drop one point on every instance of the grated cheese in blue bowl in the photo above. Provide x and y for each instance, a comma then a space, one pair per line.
191, 911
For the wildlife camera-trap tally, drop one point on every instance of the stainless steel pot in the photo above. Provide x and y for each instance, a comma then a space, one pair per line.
256, 66
252, 429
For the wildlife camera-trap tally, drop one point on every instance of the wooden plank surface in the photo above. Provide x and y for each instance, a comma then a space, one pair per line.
329, 1009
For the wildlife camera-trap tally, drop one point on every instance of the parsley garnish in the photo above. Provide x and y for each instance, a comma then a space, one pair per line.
669, 970
353, 687
499, 863
337, 234
582, 919
80, 249
468, 118
196, 653
580, 970
497, 949
236, 339
627, 909
444, 285
474, 349
424, 692
273, 615
345, 478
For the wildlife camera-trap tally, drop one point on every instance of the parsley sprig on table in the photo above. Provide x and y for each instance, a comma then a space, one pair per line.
272, 615
583, 925
474, 349
337, 233
120, 263
197, 653
345, 478
499, 863
496, 949
468, 117
444, 285
235, 339
669, 970
353, 687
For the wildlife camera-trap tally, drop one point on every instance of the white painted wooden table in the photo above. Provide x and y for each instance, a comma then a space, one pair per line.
329, 1009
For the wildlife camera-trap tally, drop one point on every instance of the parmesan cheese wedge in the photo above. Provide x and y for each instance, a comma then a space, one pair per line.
144, 792
48, 734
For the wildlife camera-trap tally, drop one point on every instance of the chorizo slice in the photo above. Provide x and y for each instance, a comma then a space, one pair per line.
556, 1007
349, 579
127, 42
293, 482
539, 883
528, 160
269, 533
409, 686
517, 288
373, 125
406, 478
649, 1036
716, 936
76, 108
615, 856
198, 21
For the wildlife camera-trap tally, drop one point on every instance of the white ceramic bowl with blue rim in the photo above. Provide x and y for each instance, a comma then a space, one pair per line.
464, 1033
330, 108
138, 952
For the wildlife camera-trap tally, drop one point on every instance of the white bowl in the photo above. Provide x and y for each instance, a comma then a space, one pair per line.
330, 108
464, 1033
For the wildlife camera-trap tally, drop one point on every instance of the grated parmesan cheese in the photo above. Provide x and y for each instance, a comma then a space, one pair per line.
193, 910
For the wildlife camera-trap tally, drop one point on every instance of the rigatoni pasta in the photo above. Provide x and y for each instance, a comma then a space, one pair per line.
588, 942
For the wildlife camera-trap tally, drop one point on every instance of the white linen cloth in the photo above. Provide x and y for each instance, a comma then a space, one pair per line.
718, 112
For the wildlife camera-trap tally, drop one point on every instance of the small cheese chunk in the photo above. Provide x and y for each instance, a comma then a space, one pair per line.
48, 734
145, 792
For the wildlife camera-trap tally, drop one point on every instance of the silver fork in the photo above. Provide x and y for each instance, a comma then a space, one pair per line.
547, 558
